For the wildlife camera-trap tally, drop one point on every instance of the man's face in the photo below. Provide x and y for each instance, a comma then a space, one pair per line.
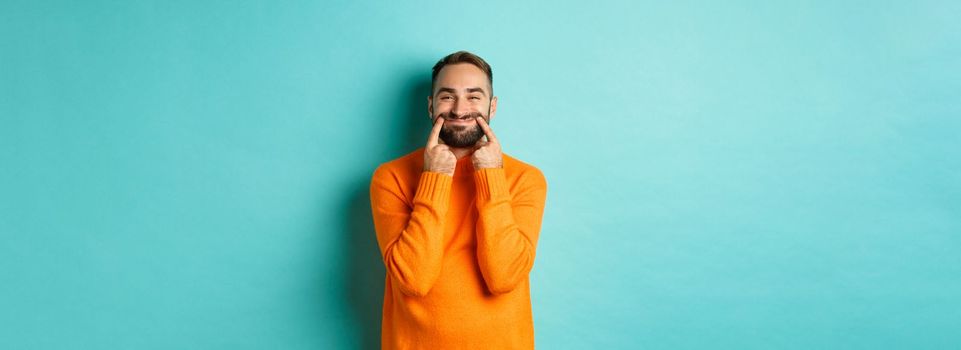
461, 93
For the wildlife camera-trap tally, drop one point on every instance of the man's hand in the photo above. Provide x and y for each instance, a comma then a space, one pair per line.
487, 154
437, 156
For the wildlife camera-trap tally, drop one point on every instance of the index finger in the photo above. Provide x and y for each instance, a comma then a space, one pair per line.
432, 139
487, 129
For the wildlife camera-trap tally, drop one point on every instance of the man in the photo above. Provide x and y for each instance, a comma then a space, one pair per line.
457, 223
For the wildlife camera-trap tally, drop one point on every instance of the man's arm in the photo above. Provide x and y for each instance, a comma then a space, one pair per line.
508, 226
509, 221
411, 238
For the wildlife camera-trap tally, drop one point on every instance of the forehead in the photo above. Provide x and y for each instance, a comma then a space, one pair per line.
461, 76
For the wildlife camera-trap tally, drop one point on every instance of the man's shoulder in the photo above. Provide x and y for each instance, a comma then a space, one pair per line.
403, 166
525, 171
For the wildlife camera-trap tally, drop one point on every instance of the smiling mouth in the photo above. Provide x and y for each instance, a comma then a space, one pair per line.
457, 119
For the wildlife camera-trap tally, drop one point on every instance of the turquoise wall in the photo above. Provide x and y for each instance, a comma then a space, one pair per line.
752, 175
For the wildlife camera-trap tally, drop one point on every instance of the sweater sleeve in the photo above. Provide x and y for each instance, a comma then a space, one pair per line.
411, 235
508, 226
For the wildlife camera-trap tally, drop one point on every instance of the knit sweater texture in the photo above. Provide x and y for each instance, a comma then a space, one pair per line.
458, 251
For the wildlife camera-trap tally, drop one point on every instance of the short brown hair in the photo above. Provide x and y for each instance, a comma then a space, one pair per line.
462, 57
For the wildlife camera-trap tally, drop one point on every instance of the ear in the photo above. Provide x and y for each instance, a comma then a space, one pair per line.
493, 107
430, 108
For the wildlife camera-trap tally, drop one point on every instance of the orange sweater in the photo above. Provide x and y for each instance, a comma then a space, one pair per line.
458, 251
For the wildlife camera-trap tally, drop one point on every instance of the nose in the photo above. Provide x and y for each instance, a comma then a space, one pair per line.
459, 108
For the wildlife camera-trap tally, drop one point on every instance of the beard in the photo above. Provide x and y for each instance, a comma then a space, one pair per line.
460, 136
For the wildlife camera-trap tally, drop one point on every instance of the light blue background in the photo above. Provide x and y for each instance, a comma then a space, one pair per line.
193, 175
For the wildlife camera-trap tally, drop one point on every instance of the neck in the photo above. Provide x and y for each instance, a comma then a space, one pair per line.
462, 152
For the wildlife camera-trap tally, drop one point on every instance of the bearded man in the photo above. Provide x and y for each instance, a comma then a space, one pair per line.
457, 223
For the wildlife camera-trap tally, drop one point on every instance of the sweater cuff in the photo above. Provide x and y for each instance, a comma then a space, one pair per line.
491, 183
433, 187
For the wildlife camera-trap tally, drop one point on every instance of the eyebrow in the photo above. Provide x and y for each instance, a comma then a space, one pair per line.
469, 90
476, 89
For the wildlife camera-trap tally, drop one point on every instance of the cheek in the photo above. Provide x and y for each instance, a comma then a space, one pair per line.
439, 109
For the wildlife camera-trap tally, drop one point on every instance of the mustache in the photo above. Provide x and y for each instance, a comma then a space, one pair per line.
452, 116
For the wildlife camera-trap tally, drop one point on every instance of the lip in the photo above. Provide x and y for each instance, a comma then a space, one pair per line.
460, 121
